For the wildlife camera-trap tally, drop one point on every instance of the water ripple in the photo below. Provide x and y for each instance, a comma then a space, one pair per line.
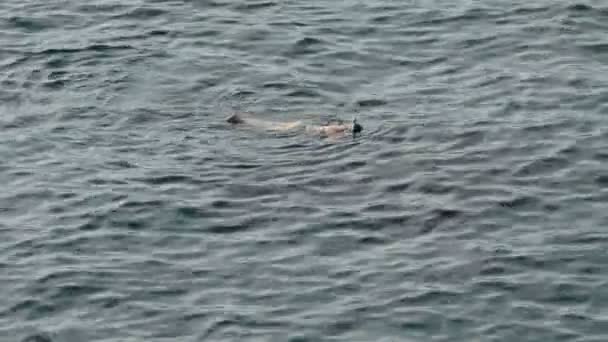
469, 208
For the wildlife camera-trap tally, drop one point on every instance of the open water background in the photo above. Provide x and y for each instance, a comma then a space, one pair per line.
473, 208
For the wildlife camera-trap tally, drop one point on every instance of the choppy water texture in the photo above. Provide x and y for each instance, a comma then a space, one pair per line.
473, 208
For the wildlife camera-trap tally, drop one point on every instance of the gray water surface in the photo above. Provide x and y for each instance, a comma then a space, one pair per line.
473, 207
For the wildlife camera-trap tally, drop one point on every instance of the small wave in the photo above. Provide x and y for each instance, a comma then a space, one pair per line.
303, 93
598, 48
371, 102
253, 5
193, 212
541, 166
306, 46
141, 13
530, 10
31, 24
468, 16
580, 7
93, 47
519, 202
40, 337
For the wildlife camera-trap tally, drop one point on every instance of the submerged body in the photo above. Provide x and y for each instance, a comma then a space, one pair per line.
333, 129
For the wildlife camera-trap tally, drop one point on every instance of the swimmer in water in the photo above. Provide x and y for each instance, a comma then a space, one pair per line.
330, 129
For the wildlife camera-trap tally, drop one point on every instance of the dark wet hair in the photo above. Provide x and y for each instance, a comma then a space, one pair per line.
234, 119
356, 127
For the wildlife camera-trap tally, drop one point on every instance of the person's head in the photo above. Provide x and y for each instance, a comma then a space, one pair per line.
235, 119
356, 127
